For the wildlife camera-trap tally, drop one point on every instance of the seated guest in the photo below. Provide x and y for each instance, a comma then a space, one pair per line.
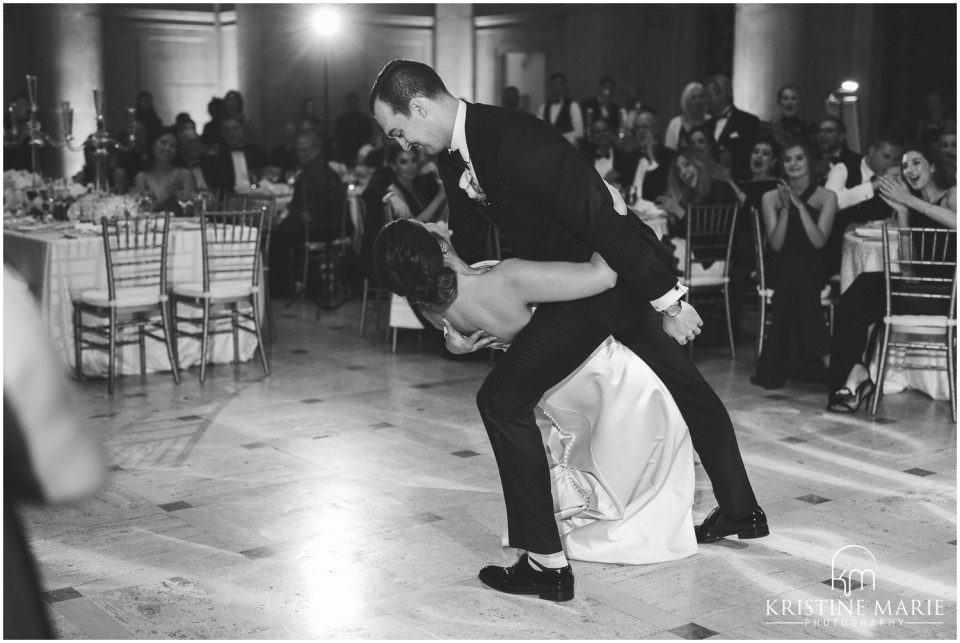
701, 138
165, 183
562, 112
648, 165
233, 107
947, 144
921, 198
602, 106
832, 143
692, 113
790, 126
284, 156
797, 218
734, 130
317, 204
764, 171
353, 129
192, 158
409, 193
131, 161
108, 166
610, 163
239, 163
694, 179
857, 198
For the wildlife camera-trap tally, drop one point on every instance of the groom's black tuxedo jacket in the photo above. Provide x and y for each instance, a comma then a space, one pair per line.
551, 205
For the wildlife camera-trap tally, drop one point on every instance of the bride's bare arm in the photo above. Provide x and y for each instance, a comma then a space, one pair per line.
547, 281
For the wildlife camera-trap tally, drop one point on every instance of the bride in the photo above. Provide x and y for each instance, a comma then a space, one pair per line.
620, 456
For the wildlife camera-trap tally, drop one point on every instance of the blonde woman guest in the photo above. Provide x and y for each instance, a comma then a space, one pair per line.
693, 111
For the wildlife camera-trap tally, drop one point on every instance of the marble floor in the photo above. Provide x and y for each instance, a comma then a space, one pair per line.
353, 495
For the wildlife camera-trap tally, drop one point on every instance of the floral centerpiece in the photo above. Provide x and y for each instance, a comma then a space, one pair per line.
96, 206
28, 193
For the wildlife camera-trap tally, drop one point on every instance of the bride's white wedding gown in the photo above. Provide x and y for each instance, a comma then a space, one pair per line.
621, 462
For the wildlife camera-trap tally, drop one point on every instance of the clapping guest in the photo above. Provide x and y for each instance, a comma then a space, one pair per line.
790, 126
857, 198
947, 144
693, 112
694, 179
925, 199
797, 218
164, 182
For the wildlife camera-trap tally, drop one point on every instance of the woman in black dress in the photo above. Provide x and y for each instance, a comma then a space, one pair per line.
798, 216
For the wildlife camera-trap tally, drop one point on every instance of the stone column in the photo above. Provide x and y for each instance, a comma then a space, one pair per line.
70, 65
454, 49
251, 23
768, 51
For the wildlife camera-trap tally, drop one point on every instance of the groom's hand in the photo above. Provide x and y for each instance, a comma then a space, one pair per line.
458, 344
685, 326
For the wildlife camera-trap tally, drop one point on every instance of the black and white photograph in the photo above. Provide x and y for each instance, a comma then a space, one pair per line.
476, 321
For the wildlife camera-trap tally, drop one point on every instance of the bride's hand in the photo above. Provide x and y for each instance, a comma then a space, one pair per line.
458, 344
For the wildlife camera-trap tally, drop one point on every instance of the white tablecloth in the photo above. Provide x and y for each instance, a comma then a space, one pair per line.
55, 266
863, 252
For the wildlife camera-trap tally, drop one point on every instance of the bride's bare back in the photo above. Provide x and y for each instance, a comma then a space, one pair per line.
500, 300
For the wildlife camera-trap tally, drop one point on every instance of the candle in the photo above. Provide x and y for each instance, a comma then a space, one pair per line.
98, 103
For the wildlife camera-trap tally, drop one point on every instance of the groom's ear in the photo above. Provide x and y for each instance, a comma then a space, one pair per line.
418, 107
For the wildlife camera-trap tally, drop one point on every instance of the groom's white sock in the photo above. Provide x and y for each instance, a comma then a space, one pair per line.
547, 561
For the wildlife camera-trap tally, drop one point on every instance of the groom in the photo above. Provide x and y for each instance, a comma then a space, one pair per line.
520, 174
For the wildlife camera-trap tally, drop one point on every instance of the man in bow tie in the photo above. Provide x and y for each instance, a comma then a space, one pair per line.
550, 204
734, 130
608, 161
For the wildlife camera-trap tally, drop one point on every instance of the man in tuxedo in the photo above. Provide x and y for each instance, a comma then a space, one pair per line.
610, 163
550, 204
649, 163
734, 130
832, 143
239, 163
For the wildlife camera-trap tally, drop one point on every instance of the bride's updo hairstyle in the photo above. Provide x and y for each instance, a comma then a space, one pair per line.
409, 262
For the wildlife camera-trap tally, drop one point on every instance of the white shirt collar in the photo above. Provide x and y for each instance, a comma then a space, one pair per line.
458, 142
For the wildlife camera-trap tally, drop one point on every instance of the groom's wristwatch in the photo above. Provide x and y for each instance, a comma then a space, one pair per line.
673, 309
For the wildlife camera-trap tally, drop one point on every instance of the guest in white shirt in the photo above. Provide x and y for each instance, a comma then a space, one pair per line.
562, 112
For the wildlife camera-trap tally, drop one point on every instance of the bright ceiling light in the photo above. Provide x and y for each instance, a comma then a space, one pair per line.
850, 86
326, 21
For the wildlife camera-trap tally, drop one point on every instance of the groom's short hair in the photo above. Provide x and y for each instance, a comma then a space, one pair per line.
401, 80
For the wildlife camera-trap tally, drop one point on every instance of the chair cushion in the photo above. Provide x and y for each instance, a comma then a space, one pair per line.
126, 297
933, 324
218, 289
704, 280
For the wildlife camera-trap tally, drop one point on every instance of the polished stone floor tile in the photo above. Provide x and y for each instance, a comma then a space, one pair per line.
354, 495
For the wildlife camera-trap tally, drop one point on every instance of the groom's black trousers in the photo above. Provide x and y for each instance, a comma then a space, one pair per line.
557, 340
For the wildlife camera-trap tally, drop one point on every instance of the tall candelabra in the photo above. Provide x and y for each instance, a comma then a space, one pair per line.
100, 139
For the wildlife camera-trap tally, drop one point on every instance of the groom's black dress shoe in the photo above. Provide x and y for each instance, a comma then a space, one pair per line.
716, 525
521, 578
